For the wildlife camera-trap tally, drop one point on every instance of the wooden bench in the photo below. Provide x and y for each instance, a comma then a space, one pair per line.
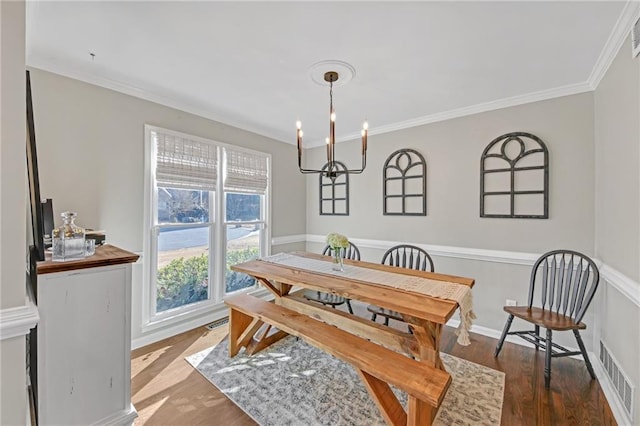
378, 366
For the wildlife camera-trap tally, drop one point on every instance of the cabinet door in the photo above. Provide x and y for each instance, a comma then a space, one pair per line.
83, 354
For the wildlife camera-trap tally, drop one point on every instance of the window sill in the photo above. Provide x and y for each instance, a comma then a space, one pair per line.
208, 308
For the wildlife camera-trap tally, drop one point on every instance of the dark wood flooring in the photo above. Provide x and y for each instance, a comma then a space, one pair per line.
166, 390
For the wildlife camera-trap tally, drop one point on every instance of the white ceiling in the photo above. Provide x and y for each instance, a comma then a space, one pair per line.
248, 63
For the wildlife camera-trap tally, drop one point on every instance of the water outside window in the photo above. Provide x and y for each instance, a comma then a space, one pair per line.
183, 252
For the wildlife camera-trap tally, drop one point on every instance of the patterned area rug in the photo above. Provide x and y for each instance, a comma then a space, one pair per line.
294, 383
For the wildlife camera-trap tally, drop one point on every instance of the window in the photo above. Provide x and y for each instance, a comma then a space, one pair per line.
207, 211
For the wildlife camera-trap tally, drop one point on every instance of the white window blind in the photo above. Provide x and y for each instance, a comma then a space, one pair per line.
246, 172
185, 163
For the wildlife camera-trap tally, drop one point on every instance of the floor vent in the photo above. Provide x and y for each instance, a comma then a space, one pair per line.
218, 323
619, 380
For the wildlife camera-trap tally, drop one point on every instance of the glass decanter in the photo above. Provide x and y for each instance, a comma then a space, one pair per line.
68, 240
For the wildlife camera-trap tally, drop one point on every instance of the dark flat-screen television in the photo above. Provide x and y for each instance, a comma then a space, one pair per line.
36, 251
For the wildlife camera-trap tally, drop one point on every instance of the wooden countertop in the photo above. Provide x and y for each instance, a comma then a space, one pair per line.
105, 255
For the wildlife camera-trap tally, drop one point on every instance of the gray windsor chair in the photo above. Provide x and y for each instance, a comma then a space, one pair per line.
569, 281
403, 256
334, 300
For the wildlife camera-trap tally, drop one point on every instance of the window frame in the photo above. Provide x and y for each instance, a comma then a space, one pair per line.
217, 232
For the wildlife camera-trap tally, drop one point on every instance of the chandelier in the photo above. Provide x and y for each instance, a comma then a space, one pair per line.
331, 170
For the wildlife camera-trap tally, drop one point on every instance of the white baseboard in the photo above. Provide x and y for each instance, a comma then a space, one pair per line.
120, 418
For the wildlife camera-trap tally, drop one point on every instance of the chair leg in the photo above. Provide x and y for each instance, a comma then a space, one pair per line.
373, 317
547, 361
507, 326
536, 329
349, 307
584, 354
386, 321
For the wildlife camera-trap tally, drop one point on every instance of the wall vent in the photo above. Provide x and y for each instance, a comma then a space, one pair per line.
218, 323
618, 379
635, 38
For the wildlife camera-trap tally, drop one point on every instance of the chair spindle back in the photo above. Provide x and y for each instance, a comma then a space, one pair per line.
408, 256
569, 281
351, 252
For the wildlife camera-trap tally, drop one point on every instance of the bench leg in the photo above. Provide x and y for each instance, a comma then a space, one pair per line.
238, 323
387, 403
420, 413
244, 331
265, 340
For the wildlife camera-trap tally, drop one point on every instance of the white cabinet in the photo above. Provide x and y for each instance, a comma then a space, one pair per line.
84, 345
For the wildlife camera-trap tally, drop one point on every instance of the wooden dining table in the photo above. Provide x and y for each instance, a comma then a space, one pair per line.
425, 315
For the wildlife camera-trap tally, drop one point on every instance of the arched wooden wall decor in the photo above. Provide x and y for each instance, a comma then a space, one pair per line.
514, 177
404, 184
334, 193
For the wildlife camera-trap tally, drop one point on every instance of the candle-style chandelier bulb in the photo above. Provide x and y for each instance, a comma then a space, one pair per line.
331, 170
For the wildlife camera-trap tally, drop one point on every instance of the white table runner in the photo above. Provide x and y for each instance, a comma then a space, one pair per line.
458, 293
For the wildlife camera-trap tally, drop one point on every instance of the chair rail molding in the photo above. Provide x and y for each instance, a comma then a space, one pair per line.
625, 285
19, 320
289, 239
511, 257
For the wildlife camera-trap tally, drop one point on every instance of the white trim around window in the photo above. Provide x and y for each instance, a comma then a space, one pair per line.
217, 225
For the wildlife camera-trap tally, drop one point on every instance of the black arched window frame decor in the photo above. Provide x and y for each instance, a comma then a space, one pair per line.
339, 205
513, 169
414, 170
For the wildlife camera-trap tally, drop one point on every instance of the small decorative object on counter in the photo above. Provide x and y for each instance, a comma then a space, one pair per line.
90, 248
338, 243
68, 240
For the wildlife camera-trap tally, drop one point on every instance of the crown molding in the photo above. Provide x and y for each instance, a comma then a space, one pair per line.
543, 95
616, 39
148, 95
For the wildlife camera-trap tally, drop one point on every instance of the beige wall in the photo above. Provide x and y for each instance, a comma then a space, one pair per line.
617, 232
617, 112
452, 150
91, 149
13, 202
91, 152
13, 198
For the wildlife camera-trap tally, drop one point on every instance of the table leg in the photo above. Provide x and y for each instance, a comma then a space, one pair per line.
428, 335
